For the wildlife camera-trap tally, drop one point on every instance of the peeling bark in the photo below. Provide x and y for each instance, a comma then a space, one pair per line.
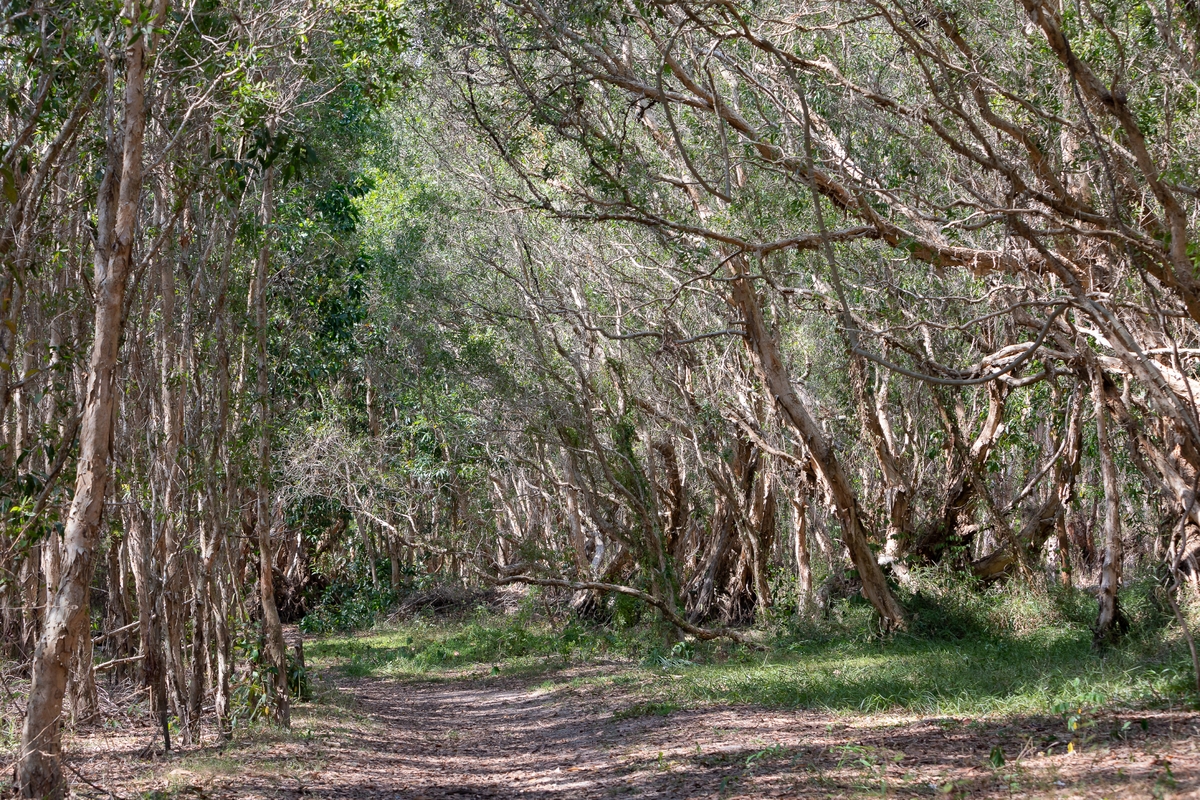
40, 769
769, 364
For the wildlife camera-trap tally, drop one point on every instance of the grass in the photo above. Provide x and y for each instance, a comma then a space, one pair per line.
429, 647
999, 653
1022, 673
286, 755
1030, 674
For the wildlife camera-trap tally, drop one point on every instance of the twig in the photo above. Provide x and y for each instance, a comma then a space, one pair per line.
104, 636
81, 777
107, 665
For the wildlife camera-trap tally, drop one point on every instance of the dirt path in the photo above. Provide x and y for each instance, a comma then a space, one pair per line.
467, 740
506, 738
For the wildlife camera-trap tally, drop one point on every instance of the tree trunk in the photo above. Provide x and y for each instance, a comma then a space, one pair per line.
1066, 471
961, 490
722, 558
148, 585
40, 770
81, 686
1065, 577
196, 678
397, 575
274, 649
364, 528
768, 362
1111, 622
218, 504
896, 491
760, 535
11, 607
118, 613
804, 594
32, 598
1050, 515
175, 563
222, 698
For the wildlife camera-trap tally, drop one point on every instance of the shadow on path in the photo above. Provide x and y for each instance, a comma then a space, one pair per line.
503, 739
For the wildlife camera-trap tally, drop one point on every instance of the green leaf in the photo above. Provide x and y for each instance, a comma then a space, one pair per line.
9, 184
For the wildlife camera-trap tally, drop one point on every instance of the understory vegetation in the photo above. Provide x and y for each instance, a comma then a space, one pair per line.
1022, 651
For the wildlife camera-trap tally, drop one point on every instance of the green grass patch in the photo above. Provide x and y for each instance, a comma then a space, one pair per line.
430, 647
970, 651
1014, 672
1031, 673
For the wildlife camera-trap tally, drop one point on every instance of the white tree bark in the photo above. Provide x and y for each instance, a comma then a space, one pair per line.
275, 650
769, 364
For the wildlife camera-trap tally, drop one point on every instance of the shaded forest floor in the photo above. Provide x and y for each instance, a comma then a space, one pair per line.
549, 726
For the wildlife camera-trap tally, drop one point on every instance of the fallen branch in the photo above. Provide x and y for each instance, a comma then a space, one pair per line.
596, 586
100, 789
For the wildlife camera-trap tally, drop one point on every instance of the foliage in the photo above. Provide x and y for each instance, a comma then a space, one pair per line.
348, 604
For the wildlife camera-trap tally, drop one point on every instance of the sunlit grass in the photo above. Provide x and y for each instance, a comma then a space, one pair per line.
1029, 674
992, 669
434, 648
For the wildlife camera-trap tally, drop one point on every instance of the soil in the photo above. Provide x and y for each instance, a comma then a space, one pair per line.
569, 737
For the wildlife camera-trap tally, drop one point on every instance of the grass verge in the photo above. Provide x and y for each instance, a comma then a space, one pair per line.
1020, 654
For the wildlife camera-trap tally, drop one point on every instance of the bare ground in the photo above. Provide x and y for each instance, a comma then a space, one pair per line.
494, 737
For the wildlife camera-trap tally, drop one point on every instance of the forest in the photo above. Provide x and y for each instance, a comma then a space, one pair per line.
577, 398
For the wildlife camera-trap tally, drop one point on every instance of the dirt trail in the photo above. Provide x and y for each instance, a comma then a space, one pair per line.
475, 739
507, 738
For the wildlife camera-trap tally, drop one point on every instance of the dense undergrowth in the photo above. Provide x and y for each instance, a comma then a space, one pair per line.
969, 651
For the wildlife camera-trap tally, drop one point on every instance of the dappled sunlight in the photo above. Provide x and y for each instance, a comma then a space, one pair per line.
586, 734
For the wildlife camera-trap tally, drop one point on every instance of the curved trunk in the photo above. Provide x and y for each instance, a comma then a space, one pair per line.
1050, 517
896, 492
804, 594
768, 362
722, 562
962, 490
